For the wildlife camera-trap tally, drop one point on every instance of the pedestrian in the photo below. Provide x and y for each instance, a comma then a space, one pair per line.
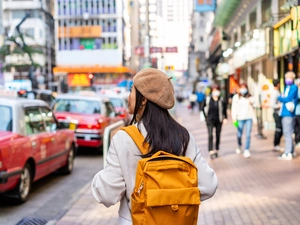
242, 113
151, 96
215, 112
276, 106
200, 99
192, 100
289, 100
297, 116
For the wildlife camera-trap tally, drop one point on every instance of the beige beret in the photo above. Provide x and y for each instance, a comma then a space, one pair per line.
155, 86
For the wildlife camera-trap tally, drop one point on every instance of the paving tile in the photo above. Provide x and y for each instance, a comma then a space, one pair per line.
260, 190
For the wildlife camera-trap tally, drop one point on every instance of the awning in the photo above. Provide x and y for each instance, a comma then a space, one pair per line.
91, 69
225, 11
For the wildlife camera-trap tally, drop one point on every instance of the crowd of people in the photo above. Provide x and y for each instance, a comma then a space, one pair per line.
286, 114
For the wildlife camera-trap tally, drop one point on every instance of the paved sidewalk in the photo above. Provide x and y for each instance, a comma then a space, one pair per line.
258, 190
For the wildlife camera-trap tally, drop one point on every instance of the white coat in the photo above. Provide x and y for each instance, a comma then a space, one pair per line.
116, 181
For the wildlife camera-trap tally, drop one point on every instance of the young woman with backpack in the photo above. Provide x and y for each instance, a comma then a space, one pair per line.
151, 96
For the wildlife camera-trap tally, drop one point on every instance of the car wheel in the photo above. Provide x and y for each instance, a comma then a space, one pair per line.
68, 168
22, 190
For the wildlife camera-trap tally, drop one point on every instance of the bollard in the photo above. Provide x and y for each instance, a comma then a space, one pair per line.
108, 135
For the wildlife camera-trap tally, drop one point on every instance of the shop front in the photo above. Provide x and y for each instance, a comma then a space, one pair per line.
286, 44
74, 79
252, 65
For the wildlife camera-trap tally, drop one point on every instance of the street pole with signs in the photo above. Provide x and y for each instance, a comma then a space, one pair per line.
1, 43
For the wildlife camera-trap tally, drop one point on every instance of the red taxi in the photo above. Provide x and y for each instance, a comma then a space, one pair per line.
32, 145
120, 103
93, 114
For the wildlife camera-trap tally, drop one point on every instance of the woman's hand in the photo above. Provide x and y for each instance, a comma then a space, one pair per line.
225, 121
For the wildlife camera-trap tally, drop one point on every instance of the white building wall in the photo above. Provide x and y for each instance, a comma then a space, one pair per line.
97, 57
174, 29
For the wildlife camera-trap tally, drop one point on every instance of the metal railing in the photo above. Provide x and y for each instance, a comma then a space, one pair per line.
108, 133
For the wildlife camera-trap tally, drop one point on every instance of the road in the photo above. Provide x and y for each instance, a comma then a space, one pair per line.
53, 195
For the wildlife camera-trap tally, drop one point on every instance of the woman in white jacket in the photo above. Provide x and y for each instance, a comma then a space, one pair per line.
151, 96
242, 112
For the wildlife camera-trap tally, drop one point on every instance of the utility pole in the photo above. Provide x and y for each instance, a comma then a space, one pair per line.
147, 36
1, 42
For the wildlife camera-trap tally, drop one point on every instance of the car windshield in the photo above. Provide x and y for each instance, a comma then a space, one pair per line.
77, 106
117, 102
5, 118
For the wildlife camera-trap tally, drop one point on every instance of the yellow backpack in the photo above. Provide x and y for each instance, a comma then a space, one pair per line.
166, 187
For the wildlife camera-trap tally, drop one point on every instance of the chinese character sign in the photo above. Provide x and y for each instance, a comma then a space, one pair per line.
205, 5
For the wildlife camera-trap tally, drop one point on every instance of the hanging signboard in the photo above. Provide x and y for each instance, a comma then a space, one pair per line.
205, 5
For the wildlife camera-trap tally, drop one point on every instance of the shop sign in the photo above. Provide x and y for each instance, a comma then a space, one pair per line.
205, 5
215, 42
250, 51
82, 80
171, 49
80, 32
156, 50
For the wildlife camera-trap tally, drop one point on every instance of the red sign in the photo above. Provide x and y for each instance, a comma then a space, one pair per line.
139, 50
215, 42
156, 50
171, 49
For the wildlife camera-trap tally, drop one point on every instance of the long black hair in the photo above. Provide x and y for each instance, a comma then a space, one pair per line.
163, 131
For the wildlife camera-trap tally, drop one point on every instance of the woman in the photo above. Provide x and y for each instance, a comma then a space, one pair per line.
242, 113
215, 112
151, 96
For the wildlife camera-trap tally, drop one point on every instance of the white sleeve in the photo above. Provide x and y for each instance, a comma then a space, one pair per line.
207, 179
108, 185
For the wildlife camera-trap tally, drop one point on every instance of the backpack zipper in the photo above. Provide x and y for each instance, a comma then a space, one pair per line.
140, 188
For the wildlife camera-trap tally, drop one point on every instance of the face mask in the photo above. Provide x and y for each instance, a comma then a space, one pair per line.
243, 91
215, 93
289, 81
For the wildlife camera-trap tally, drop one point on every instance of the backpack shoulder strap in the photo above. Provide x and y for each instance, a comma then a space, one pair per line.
137, 137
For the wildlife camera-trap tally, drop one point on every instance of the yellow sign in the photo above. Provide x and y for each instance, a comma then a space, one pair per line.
169, 67
80, 32
78, 80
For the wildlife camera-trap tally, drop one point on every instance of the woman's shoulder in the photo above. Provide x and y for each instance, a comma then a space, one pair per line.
192, 149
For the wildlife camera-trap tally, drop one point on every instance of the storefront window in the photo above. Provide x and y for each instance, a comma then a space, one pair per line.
243, 30
253, 20
266, 11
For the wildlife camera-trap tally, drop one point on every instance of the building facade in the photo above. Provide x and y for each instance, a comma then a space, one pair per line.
38, 31
92, 43
259, 43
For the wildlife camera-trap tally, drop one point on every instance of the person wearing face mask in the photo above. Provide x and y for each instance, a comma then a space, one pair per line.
289, 101
242, 113
215, 112
149, 101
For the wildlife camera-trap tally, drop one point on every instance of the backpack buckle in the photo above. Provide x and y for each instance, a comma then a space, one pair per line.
174, 207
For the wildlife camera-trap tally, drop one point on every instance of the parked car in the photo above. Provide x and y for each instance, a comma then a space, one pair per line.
32, 145
93, 114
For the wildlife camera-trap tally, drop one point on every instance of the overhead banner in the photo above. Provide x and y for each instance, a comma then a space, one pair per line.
205, 5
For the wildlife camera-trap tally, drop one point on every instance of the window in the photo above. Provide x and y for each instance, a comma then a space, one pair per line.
117, 102
6, 119
49, 120
201, 39
33, 121
110, 112
243, 30
253, 20
77, 106
266, 11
